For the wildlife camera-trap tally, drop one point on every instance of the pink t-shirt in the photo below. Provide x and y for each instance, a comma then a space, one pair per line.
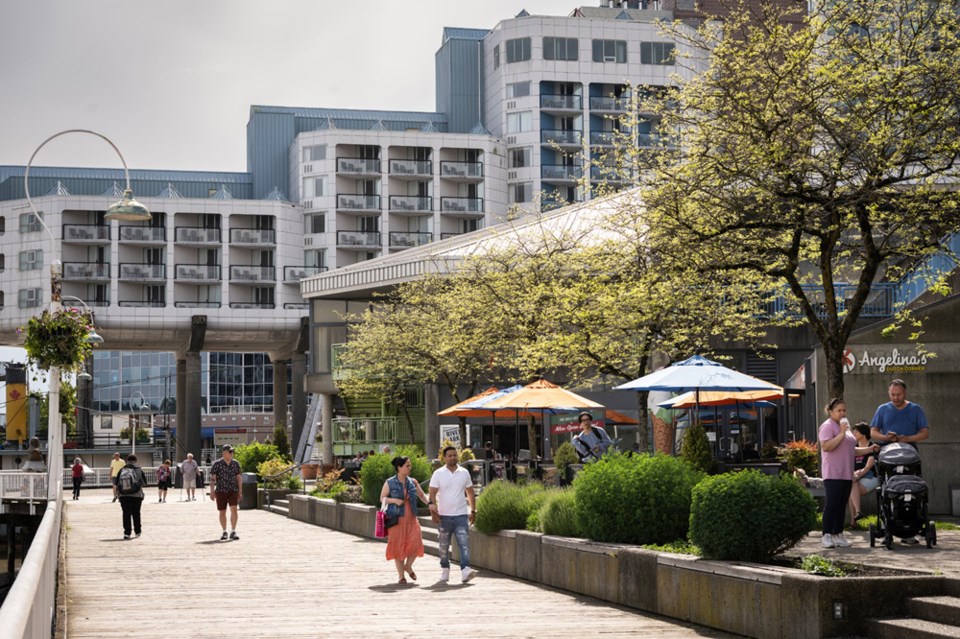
837, 463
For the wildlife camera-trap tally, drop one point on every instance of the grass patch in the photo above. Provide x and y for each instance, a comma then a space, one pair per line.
818, 565
946, 525
680, 547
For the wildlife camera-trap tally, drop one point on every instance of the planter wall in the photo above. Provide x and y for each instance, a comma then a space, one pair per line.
275, 494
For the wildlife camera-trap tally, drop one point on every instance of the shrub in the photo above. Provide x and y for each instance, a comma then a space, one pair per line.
281, 441
801, 454
565, 455
558, 514
507, 506
749, 516
696, 448
377, 468
638, 499
466, 455
251, 455
769, 451
271, 467
817, 565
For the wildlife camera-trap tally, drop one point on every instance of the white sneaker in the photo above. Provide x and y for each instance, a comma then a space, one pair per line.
467, 574
841, 542
827, 541
444, 574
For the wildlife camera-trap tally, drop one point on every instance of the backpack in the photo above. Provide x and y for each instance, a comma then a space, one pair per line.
128, 481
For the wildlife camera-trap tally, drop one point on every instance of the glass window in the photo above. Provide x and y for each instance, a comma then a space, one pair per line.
518, 50
520, 192
496, 57
656, 53
29, 223
560, 48
314, 153
31, 260
520, 157
519, 122
518, 89
315, 223
610, 51
313, 187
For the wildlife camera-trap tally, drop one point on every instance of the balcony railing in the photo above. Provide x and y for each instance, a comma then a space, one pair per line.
603, 138
91, 303
266, 305
143, 272
86, 233
86, 271
196, 304
297, 273
143, 303
561, 102
411, 168
610, 173
651, 139
619, 105
253, 274
196, 235
881, 301
347, 202
461, 205
403, 239
253, 237
358, 166
296, 305
561, 172
358, 238
561, 137
461, 170
143, 234
411, 203
348, 430
198, 272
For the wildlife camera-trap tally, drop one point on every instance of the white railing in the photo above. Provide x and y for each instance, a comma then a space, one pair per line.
23, 486
364, 429
100, 477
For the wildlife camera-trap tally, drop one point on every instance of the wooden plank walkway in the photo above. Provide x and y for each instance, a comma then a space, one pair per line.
285, 578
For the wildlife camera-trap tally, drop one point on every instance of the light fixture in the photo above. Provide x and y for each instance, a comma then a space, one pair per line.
83, 375
93, 337
128, 209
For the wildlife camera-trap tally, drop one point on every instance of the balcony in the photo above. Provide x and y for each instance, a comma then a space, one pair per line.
412, 169
469, 206
563, 137
652, 140
358, 203
293, 274
561, 102
560, 173
462, 171
143, 272
402, 239
603, 138
411, 204
86, 233
253, 237
143, 303
610, 104
90, 303
253, 275
358, 239
86, 271
143, 234
197, 273
265, 305
196, 304
612, 174
358, 166
288, 306
196, 235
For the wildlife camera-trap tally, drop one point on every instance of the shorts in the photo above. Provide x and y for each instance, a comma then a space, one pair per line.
190, 484
869, 483
226, 498
113, 480
165, 484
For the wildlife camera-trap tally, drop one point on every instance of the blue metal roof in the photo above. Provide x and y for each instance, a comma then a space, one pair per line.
351, 114
117, 174
461, 33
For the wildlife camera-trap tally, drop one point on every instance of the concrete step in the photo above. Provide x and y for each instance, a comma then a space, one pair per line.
940, 609
901, 627
279, 506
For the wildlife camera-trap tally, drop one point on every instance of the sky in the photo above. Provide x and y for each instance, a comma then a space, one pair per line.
171, 82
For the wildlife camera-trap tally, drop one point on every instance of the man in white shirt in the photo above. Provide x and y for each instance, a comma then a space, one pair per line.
453, 506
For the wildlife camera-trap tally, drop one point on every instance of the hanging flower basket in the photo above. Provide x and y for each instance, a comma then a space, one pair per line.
58, 339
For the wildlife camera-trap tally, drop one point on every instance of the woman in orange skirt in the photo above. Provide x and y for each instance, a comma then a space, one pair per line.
404, 540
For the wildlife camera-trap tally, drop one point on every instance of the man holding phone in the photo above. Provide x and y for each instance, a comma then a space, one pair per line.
899, 420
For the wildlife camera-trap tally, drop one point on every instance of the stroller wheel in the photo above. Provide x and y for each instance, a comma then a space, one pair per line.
873, 536
931, 535
888, 540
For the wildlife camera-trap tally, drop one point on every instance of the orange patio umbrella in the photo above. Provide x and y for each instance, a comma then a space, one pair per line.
475, 408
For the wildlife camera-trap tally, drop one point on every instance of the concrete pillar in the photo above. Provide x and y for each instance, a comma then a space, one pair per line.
298, 398
280, 394
189, 432
182, 411
326, 421
431, 429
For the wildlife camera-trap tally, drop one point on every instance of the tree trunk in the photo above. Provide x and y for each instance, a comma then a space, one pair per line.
406, 412
833, 354
643, 430
462, 421
532, 436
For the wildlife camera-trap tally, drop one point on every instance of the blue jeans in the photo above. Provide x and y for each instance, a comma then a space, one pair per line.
459, 526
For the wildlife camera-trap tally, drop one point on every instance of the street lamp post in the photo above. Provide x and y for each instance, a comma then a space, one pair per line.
126, 209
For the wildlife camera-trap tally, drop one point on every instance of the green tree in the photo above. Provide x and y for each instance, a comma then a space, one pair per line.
815, 149
68, 409
281, 441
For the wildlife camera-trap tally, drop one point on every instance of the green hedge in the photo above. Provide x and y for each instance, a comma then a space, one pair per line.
504, 505
377, 468
638, 499
251, 455
558, 514
749, 516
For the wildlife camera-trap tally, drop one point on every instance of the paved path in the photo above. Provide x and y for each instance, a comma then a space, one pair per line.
289, 579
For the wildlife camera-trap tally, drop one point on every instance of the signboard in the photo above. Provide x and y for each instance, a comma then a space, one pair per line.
451, 433
572, 427
232, 436
884, 361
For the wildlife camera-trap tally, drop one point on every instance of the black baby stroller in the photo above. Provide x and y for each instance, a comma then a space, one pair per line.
901, 498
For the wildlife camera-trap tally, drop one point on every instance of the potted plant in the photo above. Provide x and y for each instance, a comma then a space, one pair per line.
58, 339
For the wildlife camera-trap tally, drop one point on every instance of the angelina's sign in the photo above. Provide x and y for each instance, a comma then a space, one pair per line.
883, 361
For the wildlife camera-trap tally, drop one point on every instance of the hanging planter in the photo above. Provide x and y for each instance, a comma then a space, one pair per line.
58, 339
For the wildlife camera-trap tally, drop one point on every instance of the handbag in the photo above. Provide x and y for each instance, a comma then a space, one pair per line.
380, 529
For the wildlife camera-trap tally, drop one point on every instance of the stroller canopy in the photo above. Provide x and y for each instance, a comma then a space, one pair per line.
899, 455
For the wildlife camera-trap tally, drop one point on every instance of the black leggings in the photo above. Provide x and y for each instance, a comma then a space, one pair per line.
835, 509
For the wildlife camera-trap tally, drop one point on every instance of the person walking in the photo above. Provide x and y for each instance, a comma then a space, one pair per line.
453, 506
404, 540
188, 472
225, 490
115, 465
130, 483
592, 442
77, 476
164, 480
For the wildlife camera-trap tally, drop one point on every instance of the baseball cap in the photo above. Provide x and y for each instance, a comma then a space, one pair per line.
227, 448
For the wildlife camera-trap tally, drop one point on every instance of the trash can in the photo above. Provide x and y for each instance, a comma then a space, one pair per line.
248, 491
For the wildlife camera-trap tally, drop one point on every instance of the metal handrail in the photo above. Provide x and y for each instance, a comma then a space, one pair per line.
28, 610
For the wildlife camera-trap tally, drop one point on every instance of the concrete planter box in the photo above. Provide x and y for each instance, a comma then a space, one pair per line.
326, 513
358, 519
299, 508
274, 493
497, 552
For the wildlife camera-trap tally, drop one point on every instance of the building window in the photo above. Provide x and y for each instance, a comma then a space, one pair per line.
560, 48
520, 157
315, 223
496, 57
3, 262
3, 225
520, 193
519, 122
610, 51
29, 297
518, 50
312, 187
29, 223
31, 260
317, 258
314, 153
656, 53
518, 89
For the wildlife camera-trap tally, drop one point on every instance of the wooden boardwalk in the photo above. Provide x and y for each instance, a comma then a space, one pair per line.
286, 579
